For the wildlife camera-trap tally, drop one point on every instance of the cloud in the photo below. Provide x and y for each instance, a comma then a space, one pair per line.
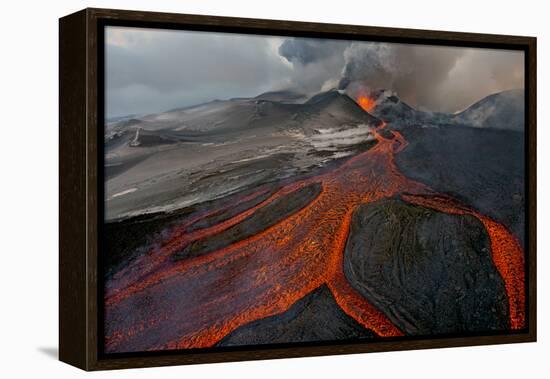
435, 78
316, 63
308, 50
480, 72
151, 70
154, 70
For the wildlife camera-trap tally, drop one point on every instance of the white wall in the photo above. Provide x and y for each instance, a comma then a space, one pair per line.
28, 159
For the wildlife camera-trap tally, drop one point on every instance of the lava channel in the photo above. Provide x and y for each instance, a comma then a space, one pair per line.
161, 304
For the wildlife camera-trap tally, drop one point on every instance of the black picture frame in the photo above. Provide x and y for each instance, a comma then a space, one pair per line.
81, 110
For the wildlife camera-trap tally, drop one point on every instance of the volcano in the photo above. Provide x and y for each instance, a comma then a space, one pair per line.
277, 219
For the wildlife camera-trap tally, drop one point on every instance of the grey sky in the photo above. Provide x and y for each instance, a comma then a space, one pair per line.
151, 70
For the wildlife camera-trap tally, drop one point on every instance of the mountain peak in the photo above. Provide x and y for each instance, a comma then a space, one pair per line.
501, 110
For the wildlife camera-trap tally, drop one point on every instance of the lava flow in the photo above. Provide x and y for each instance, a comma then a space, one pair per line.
158, 303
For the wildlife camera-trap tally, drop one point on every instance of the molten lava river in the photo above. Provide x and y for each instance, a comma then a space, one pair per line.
158, 303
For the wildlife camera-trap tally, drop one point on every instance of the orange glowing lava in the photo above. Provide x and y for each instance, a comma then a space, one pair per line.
366, 103
157, 303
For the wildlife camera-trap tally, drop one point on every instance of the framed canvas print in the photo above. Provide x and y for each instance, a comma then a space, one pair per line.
235, 189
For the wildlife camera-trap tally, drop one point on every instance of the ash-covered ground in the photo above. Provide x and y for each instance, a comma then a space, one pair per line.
168, 161
215, 167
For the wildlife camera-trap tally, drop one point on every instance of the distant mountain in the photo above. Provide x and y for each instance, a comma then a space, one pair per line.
503, 110
389, 107
164, 161
222, 119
